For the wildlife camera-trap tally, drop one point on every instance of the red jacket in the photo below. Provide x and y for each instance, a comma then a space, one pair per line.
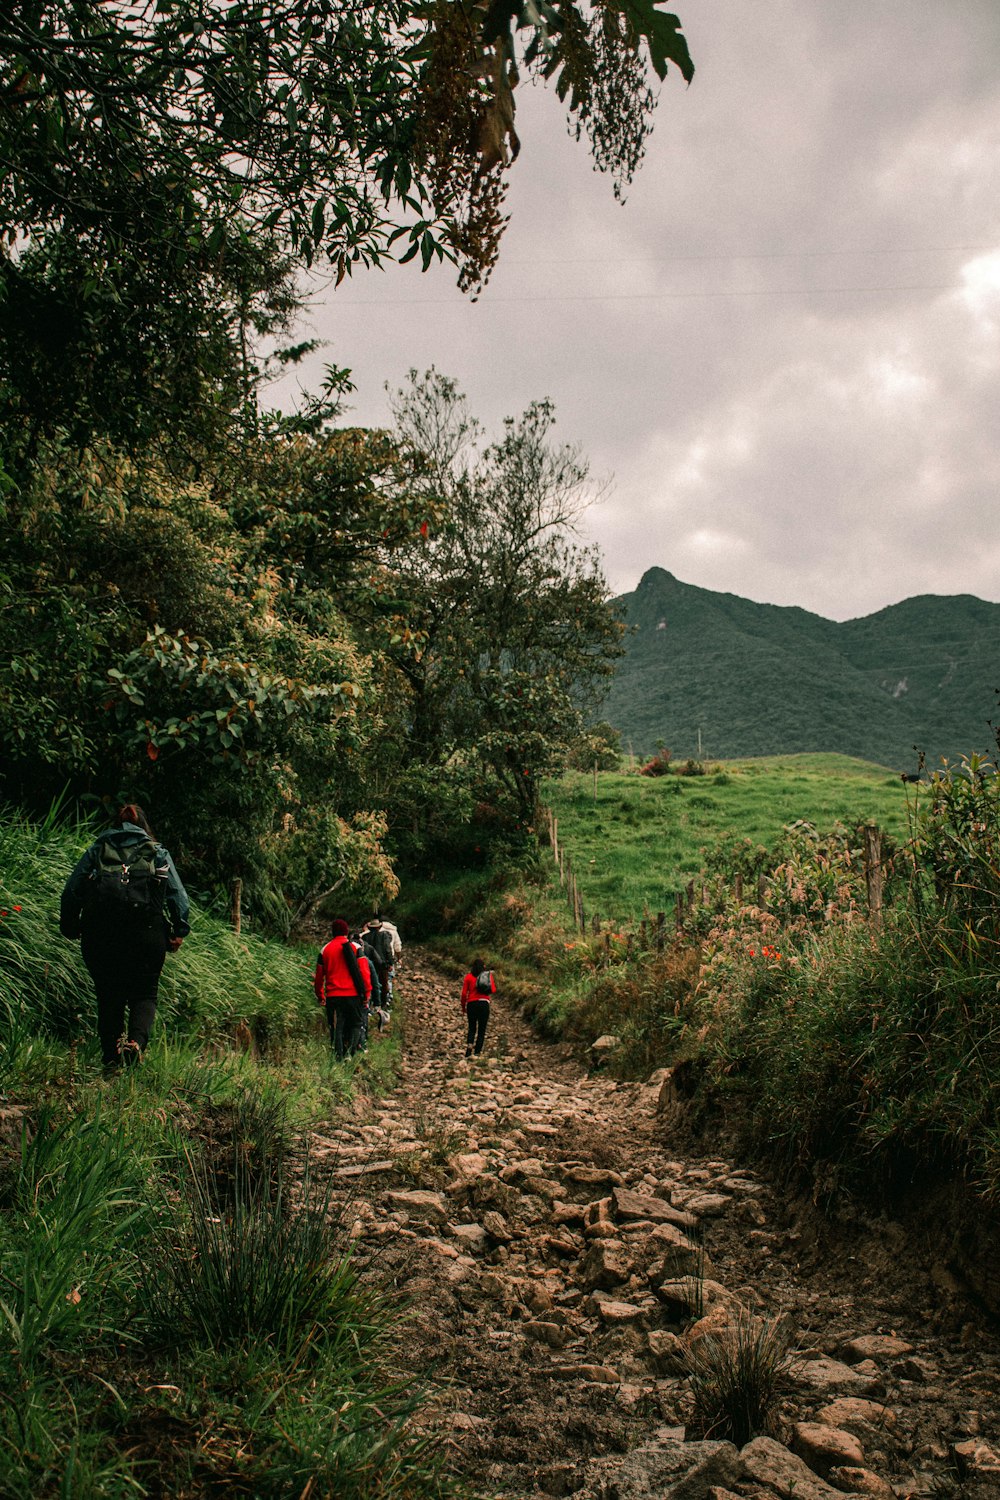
470, 989
334, 978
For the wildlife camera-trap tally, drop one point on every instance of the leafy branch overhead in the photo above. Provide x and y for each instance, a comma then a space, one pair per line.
339, 129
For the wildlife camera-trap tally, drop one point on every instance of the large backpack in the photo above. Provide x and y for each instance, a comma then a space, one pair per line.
484, 983
126, 887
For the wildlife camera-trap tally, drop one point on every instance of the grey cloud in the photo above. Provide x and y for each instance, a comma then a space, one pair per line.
772, 432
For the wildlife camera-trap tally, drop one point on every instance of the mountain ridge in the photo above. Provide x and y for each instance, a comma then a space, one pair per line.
721, 675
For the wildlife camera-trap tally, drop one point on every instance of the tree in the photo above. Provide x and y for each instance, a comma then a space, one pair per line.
337, 128
511, 613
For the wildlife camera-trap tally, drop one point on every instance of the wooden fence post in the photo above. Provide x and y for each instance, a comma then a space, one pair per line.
661, 917
873, 873
679, 910
237, 909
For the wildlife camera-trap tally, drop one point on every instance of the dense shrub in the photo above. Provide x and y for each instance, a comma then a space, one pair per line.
658, 766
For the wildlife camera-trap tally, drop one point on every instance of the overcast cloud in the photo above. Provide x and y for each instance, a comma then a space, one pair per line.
784, 350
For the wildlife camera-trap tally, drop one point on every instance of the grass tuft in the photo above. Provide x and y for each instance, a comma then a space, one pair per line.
735, 1378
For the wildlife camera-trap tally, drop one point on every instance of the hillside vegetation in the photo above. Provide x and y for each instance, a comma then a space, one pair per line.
762, 679
860, 1048
640, 839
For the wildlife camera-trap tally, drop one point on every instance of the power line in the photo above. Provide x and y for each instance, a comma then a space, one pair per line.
795, 291
629, 260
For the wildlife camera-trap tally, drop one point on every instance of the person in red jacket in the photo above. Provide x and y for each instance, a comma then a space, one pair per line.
339, 985
477, 987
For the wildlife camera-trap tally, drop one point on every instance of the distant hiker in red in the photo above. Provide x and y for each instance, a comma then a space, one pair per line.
339, 984
477, 987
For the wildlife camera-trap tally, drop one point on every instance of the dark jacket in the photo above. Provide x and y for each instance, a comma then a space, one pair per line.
380, 943
369, 953
176, 905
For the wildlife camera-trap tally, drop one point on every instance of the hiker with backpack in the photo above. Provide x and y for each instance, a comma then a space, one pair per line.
125, 903
380, 940
477, 988
339, 985
375, 1003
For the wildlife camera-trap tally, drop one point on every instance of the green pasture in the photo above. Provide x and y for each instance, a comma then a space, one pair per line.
634, 841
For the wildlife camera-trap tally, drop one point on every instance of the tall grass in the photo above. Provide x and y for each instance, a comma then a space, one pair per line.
180, 1309
214, 981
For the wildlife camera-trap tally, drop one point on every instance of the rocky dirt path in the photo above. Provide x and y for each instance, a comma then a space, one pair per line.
560, 1255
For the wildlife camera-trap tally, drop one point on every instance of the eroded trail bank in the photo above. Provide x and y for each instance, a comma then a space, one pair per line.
561, 1256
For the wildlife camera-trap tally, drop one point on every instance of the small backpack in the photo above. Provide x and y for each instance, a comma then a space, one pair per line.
484, 983
126, 887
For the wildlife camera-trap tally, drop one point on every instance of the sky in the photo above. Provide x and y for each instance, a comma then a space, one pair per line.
781, 355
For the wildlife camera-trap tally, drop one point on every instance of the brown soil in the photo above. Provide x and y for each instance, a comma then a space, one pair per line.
546, 1340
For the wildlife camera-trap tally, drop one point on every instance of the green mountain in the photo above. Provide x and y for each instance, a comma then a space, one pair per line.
764, 679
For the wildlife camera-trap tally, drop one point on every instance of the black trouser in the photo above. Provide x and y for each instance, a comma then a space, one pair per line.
125, 969
345, 1016
477, 1013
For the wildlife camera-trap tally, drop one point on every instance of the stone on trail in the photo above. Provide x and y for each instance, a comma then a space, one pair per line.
668, 1350
567, 1213
602, 1048
593, 1176
770, 1462
517, 1171
470, 1164
915, 1368
676, 1255
854, 1413
689, 1296
555, 1335
609, 1310
598, 1215
631, 1205
975, 1459
431, 1208
496, 1226
828, 1376
825, 1448
365, 1169
592, 1374
706, 1205
472, 1236
857, 1481
666, 1468
605, 1265
875, 1346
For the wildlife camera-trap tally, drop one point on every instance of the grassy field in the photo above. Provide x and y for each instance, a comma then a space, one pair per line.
641, 838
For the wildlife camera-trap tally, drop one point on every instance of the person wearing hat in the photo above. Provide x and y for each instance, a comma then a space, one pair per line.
339, 985
380, 942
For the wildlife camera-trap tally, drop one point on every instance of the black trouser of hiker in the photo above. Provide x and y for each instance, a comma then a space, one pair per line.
126, 974
477, 1013
345, 1016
